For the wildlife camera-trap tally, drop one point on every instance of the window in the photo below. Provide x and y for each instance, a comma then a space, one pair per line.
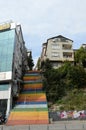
55, 54
55, 46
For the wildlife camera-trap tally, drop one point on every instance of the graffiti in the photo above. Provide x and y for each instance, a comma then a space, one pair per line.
68, 115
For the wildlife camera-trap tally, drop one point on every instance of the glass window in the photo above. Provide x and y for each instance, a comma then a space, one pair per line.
6, 50
4, 87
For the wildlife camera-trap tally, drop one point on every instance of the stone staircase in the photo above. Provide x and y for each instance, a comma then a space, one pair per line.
31, 106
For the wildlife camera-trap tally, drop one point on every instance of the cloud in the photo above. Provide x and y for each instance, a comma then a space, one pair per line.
42, 19
39, 16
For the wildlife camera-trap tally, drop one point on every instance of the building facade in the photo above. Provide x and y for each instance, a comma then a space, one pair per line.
57, 50
13, 62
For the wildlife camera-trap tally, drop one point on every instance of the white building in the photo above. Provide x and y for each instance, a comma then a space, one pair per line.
58, 49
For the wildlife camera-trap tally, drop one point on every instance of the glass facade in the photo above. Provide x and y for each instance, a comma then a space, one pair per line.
4, 87
6, 50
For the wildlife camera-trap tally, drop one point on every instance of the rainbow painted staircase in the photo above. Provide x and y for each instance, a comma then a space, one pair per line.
31, 106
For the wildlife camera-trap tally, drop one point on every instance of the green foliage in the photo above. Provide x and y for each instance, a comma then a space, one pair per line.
77, 77
80, 56
54, 87
75, 99
63, 84
46, 65
73, 76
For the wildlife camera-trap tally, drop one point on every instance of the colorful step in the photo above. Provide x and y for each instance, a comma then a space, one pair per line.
31, 106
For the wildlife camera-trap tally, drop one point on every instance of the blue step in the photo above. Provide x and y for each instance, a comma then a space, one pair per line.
31, 103
31, 74
31, 91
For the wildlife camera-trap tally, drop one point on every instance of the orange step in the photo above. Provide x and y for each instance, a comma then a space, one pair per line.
33, 99
26, 122
28, 78
33, 85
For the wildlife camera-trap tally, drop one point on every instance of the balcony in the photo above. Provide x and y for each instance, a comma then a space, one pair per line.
66, 47
68, 56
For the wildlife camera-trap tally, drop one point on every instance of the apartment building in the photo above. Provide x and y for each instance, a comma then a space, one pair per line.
84, 46
58, 49
13, 63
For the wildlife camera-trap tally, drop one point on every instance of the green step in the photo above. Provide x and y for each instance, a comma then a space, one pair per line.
30, 109
33, 82
34, 92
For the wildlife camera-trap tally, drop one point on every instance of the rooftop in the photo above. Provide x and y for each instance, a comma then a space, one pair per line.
60, 36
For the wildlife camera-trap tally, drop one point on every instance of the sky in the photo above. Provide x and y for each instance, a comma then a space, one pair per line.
43, 19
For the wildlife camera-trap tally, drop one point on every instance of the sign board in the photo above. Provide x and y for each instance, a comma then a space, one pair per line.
5, 26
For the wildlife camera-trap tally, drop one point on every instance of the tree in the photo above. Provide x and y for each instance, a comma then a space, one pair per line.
30, 62
53, 84
46, 65
77, 77
38, 64
58, 82
80, 56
